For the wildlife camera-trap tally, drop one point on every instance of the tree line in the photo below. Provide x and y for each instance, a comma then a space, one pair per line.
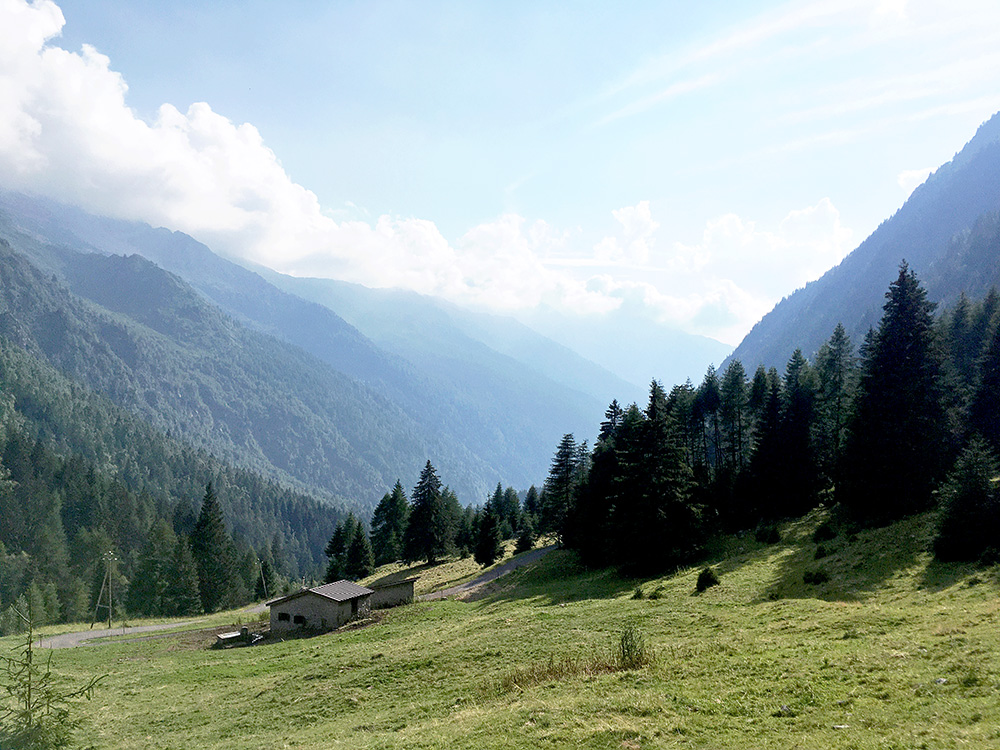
430, 525
909, 421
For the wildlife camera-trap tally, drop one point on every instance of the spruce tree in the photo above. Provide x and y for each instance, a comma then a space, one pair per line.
214, 554
984, 409
360, 560
896, 439
430, 530
970, 511
337, 548
835, 374
488, 546
183, 596
148, 590
389, 525
560, 487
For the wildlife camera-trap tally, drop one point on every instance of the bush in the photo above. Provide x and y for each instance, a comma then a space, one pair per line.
820, 552
815, 577
824, 532
637, 594
706, 579
767, 534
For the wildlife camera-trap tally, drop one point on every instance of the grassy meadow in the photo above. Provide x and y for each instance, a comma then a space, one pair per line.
892, 651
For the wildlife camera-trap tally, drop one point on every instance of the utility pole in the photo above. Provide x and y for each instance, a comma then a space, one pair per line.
109, 558
263, 581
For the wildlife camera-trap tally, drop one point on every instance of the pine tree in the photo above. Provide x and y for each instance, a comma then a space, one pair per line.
389, 525
835, 373
147, 592
183, 596
360, 560
896, 440
214, 554
733, 405
338, 547
984, 409
560, 487
488, 547
797, 490
431, 528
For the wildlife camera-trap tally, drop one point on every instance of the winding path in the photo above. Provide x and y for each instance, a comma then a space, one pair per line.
491, 575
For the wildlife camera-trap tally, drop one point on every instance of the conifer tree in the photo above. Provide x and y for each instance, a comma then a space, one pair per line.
148, 589
835, 371
984, 409
389, 525
182, 596
360, 560
431, 528
796, 492
214, 554
560, 487
895, 443
337, 548
488, 547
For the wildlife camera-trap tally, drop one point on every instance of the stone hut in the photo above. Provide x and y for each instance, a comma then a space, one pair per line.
392, 594
320, 608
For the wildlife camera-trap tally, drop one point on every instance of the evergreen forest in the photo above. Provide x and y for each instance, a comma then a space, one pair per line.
899, 423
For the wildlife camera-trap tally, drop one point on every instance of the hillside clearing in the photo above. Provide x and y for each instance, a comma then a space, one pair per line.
893, 651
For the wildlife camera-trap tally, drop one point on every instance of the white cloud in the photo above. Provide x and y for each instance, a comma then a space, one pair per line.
66, 131
721, 285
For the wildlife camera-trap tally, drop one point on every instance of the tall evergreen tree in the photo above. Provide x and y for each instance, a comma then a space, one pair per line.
147, 593
835, 370
488, 546
360, 560
560, 487
389, 525
214, 555
733, 406
338, 547
893, 454
984, 409
182, 596
431, 528
799, 481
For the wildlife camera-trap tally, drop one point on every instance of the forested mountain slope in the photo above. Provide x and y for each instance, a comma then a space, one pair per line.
159, 350
947, 204
493, 394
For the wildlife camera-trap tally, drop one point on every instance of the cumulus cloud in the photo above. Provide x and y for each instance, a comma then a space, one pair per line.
67, 132
722, 284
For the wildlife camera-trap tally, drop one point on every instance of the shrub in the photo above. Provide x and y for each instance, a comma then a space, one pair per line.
637, 594
824, 532
820, 552
767, 534
656, 593
706, 579
815, 577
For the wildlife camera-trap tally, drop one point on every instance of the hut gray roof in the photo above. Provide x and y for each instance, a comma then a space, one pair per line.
338, 591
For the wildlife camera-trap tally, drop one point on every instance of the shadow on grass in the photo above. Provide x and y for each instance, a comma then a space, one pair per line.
854, 564
557, 578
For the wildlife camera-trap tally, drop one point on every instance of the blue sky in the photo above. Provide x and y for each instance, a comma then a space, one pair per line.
696, 161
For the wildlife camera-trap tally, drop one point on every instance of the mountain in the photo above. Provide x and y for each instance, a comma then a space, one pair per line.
927, 231
140, 336
631, 345
486, 398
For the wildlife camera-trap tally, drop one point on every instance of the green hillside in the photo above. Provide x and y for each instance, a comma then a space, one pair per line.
893, 651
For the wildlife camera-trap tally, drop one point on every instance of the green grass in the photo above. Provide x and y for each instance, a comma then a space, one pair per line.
893, 651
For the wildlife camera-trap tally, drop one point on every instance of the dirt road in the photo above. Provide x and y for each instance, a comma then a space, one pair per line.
69, 640
468, 587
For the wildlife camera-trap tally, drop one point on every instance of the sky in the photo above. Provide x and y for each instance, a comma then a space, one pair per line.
694, 161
